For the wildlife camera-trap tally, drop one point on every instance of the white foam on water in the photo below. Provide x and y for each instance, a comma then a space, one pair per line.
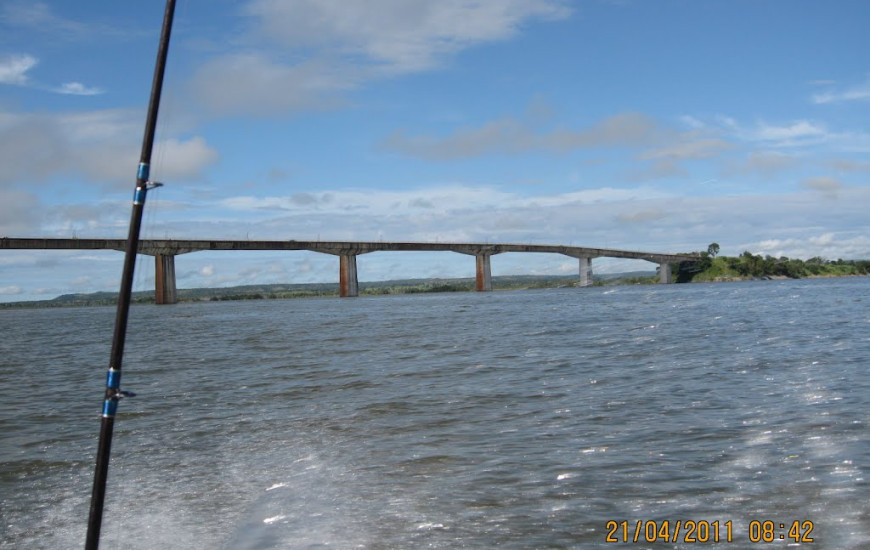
428, 526
313, 507
273, 519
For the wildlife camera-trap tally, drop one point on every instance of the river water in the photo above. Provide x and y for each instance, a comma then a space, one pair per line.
519, 420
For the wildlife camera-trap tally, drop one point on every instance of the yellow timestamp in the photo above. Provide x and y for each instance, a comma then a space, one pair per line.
687, 531
769, 531
703, 531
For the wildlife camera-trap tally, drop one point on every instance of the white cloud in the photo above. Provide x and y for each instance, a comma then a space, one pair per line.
402, 35
791, 133
849, 165
618, 218
660, 169
595, 196
83, 220
177, 159
827, 185
797, 134
822, 240
77, 88
101, 145
452, 212
98, 126
765, 163
665, 147
861, 92
39, 16
13, 68
505, 136
254, 84
692, 122
511, 136
823, 183
19, 212
319, 49
374, 202
828, 245
12, 289
690, 149
643, 216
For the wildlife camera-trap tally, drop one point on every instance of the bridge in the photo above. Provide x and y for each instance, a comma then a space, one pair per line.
164, 252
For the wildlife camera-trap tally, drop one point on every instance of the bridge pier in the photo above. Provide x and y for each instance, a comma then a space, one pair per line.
665, 277
166, 250
585, 271
348, 284
165, 292
484, 272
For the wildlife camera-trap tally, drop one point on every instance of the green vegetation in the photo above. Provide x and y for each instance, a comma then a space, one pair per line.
752, 266
414, 287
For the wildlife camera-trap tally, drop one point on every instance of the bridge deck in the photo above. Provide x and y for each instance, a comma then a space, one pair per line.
165, 251
175, 247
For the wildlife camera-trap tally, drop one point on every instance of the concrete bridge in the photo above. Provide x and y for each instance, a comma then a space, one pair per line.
164, 252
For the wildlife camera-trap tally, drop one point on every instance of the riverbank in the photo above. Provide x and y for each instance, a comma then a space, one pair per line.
709, 270
749, 266
314, 290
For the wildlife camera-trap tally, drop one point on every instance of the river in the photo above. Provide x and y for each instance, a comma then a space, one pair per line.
518, 420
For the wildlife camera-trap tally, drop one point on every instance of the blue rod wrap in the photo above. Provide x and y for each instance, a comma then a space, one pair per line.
110, 407
139, 195
144, 171
113, 380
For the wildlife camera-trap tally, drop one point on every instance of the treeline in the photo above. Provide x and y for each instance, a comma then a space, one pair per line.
748, 265
374, 289
304, 290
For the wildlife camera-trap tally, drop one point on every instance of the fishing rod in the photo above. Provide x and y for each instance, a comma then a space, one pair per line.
113, 379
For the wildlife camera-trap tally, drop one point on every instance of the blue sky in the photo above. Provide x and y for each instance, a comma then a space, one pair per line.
636, 124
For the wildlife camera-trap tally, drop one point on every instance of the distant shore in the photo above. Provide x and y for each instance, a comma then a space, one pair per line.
710, 269
314, 290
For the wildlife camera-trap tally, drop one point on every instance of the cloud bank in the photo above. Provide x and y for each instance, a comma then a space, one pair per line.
304, 54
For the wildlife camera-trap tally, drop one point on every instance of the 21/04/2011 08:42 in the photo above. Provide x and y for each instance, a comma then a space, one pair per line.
703, 531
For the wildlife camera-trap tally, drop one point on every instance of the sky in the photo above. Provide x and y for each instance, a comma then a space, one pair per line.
655, 125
